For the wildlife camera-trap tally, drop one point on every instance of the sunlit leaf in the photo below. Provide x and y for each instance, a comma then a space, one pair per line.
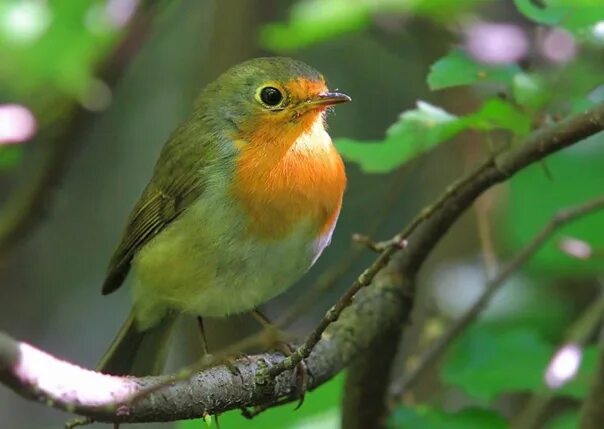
422, 129
457, 68
431, 418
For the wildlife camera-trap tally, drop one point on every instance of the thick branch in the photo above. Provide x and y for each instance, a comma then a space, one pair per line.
35, 374
347, 333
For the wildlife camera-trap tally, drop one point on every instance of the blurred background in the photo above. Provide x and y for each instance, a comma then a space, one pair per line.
91, 89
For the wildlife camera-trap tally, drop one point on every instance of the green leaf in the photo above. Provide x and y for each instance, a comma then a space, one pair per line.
313, 21
10, 156
457, 68
529, 91
480, 362
549, 15
416, 132
569, 420
574, 176
430, 418
499, 114
422, 129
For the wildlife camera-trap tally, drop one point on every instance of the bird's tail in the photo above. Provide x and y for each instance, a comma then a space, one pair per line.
138, 352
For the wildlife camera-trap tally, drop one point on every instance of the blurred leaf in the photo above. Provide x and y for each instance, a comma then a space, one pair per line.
52, 46
480, 362
420, 130
576, 176
457, 68
529, 91
416, 132
574, 15
499, 114
320, 406
568, 420
549, 14
430, 418
313, 21
10, 156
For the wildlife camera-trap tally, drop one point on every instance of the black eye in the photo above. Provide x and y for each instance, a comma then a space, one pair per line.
271, 96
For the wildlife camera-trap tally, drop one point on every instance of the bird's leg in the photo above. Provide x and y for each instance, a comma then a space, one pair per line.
204, 339
287, 349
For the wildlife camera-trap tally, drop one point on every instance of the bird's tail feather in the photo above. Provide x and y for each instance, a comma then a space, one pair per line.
138, 352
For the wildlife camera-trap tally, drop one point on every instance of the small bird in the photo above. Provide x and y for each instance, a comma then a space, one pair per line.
243, 199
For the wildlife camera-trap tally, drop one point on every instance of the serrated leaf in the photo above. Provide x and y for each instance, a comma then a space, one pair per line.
457, 68
431, 418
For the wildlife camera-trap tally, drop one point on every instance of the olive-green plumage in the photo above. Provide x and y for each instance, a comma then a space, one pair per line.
188, 240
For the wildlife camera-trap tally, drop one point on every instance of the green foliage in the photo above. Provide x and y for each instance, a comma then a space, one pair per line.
457, 68
58, 57
319, 410
431, 418
480, 363
569, 420
419, 130
313, 21
572, 177
574, 15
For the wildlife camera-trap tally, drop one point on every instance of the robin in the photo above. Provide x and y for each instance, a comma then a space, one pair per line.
243, 199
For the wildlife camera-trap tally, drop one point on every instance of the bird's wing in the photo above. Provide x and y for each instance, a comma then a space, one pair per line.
177, 181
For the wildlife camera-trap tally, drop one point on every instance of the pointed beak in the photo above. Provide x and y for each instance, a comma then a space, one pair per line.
329, 99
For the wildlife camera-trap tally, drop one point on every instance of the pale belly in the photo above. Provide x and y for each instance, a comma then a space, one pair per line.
206, 264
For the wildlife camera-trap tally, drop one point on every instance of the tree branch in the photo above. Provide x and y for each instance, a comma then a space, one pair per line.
559, 220
592, 412
339, 338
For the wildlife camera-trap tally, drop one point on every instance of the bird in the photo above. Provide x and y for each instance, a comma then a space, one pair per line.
242, 201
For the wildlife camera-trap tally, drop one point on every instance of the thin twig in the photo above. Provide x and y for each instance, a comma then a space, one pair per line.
428, 358
397, 243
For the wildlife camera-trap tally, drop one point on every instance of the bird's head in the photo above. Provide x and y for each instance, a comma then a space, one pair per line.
269, 101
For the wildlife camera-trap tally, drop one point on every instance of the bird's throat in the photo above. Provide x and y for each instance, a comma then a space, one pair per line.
289, 178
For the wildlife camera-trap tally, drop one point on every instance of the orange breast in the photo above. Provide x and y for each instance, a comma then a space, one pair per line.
283, 177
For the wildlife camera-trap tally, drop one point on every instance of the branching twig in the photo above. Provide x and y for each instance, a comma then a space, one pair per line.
331, 346
440, 346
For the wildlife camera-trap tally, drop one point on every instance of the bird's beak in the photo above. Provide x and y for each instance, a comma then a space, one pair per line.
328, 99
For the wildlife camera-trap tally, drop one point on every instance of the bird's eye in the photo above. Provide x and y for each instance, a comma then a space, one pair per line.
271, 96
